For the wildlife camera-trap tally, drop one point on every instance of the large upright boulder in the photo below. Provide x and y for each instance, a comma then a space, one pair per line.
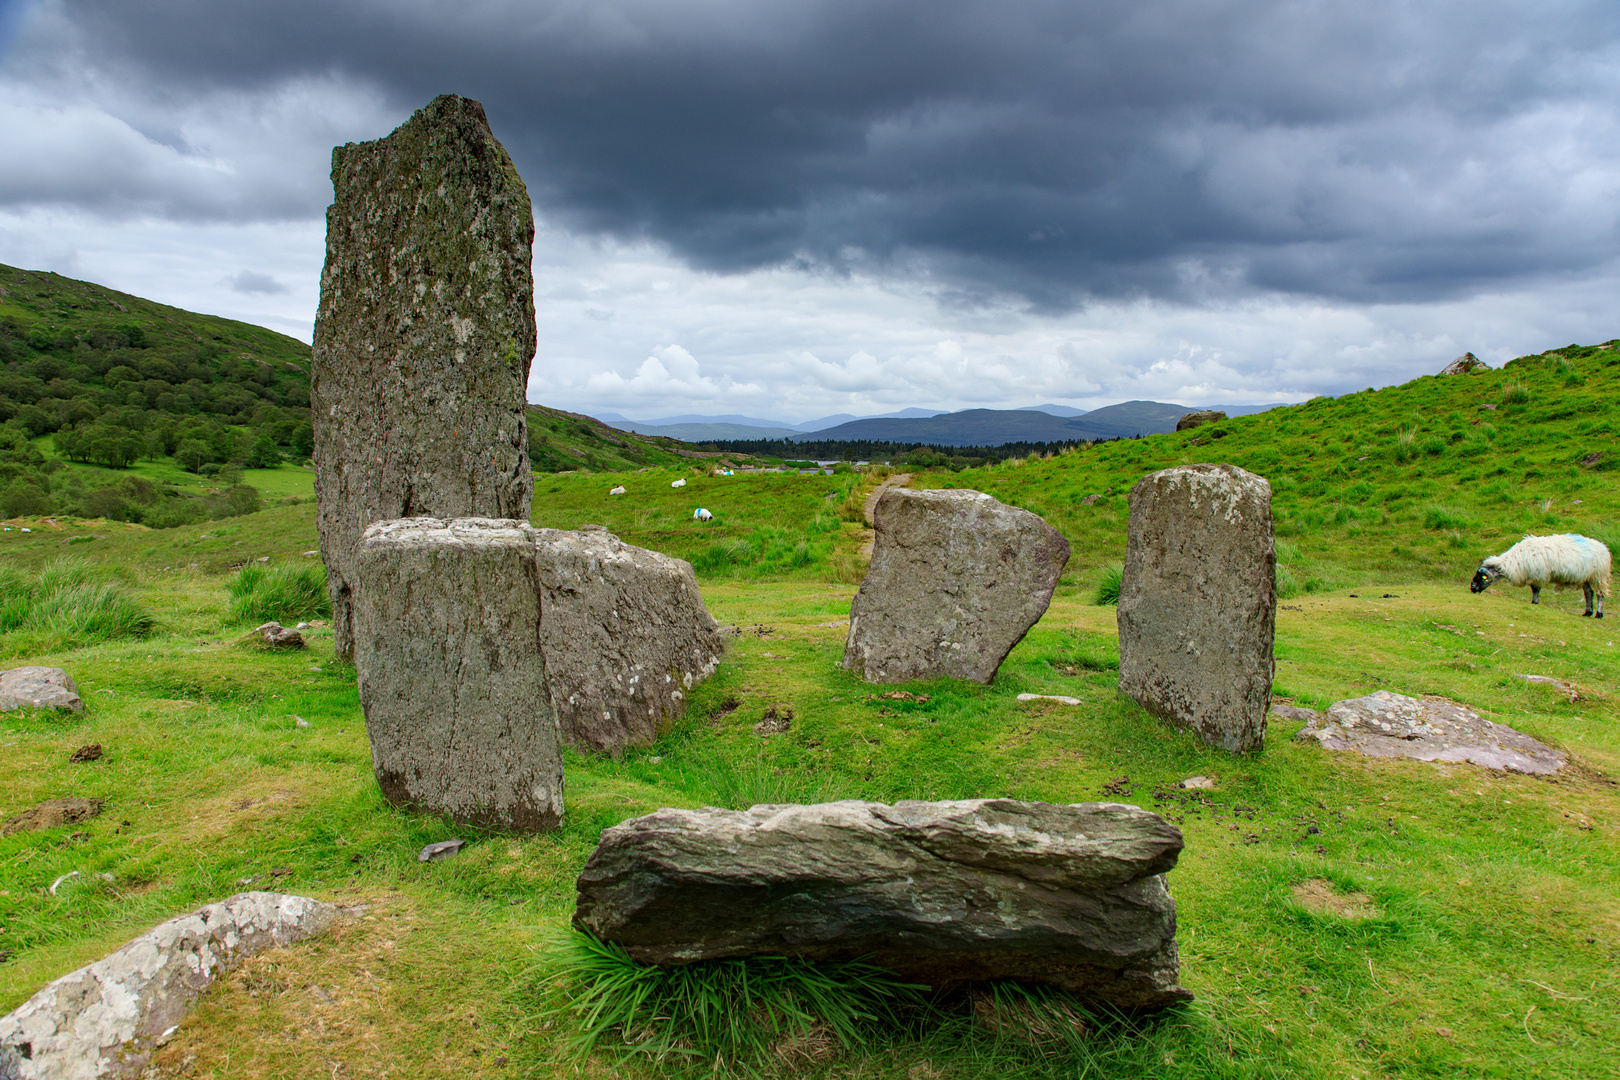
941, 893
957, 579
423, 338
1198, 602
452, 677
625, 636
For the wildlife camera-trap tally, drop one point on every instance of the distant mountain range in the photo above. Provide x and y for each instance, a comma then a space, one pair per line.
970, 427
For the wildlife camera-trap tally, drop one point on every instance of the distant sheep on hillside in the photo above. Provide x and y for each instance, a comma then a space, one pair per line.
701, 514
1560, 561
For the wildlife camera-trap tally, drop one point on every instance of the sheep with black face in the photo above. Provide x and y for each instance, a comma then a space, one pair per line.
1560, 561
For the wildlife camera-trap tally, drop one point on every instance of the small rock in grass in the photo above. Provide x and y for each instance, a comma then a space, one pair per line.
39, 688
50, 815
311, 554
1062, 699
444, 849
262, 558
777, 719
272, 635
302, 626
86, 753
1295, 712
1200, 783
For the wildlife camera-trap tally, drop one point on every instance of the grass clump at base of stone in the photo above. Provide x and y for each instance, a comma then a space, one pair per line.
285, 593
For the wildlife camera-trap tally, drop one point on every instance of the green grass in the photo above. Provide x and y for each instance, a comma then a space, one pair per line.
1492, 942
285, 593
67, 604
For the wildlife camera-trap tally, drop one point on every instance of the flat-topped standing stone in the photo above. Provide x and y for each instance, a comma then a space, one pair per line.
424, 336
625, 636
452, 678
940, 893
957, 579
1198, 602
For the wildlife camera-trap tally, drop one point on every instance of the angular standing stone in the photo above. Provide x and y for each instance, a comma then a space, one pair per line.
452, 678
941, 893
625, 636
424, 336
957, 579
1198, 602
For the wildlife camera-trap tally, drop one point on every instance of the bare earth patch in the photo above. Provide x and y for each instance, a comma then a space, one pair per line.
1318, 897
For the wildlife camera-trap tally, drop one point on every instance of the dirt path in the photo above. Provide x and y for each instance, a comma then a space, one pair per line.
898, 480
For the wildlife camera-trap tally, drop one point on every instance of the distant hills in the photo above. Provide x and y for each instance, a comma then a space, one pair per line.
691, 427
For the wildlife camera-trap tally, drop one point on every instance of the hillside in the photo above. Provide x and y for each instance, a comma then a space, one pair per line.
995, 427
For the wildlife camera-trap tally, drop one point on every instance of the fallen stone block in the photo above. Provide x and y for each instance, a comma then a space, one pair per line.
1383, 724
105, 1020
957, 579
941, 893
625, 635
1198, 602
39, 688
452, 675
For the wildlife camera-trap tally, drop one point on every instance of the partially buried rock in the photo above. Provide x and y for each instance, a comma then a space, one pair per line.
1383, 724
941, 893
1464, 364
424, 336
85, 754
1198, 602
625, 634
957, 579
1198, 418
39, 688
452, 678
51, 815
272, 635
107, 1019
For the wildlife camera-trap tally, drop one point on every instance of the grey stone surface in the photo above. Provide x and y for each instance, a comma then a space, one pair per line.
452, 677
423, 338
39, 688
957, 579
1383, 724
1464, 364
272, 635
1199, 417
942, 893
52, 814
626, 636
105, 1020
1198, 602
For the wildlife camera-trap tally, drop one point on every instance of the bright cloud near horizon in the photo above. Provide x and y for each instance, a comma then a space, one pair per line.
809, 207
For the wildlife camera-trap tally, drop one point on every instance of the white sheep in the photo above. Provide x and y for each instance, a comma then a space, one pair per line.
678, 483
701, 514
1560, 561
617, 491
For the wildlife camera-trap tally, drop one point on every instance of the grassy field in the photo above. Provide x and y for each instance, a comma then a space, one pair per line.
1440, 920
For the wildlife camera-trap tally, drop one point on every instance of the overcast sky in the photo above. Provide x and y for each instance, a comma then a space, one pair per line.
799, 207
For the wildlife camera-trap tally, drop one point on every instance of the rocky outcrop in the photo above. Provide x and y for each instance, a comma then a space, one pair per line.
39, 688
625, 635
1198, 418
452, 677
52, 814
1383, 724
1198, 602
957, 579
941, 893
105, 1020
423, 338
1464, 364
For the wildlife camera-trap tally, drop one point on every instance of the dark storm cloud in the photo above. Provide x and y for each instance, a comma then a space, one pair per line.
1053, 150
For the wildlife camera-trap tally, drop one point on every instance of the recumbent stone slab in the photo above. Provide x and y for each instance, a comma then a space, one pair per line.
941, 893
423, 338
957, 579
452, 676
625, 635
104, 1020
1383, 724
1198, 602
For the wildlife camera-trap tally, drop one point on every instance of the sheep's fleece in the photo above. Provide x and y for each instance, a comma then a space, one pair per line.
1560, 561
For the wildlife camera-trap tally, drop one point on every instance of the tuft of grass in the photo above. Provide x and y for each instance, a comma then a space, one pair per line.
1445, 517
283, 593
1107, 594
1514, 392
66, 605
735, 1013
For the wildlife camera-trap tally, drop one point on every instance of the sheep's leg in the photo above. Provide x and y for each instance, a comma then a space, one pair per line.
1600, 607
1587, 589
1535, 594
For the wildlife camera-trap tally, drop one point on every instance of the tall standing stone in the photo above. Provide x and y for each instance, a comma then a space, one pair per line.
957, 579
424, 336
1198, 602
452, 677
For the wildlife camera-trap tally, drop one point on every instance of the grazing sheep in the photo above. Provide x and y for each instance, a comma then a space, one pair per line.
701, 514
678, 483
1559, 561
618, 490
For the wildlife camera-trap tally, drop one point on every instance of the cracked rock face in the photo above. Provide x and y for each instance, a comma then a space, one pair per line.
941, 893
625, 634
1198, 602
451, 672
105, 1020
957, 579
1383, 724
423, 338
